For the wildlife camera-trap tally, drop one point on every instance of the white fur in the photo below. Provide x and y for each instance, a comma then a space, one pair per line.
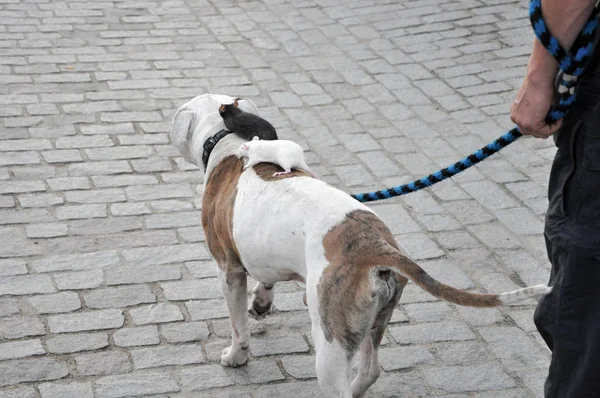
286, 154
521, 294
292, 215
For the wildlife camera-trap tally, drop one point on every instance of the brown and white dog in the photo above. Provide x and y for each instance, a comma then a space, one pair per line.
295, 227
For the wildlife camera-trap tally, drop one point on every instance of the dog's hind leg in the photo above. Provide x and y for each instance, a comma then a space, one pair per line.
262, 299
233, 284
368, 367
332, 360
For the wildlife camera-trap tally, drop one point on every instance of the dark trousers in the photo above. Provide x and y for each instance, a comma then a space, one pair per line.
569, 318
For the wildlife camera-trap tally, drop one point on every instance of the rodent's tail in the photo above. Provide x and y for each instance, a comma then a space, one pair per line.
397, 262
304, 167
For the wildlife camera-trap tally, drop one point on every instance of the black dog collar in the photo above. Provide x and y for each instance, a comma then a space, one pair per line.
210, 144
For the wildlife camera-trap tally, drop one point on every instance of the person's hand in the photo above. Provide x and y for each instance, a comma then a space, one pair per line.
531, 105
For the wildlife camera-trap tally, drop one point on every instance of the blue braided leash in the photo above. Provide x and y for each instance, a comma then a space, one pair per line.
572, 65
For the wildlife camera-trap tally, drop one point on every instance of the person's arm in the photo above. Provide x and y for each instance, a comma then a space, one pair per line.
565, 19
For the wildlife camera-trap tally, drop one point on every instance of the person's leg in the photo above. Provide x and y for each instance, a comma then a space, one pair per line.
578, 344
569, 318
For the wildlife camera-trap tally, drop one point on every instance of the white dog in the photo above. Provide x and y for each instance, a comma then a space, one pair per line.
295, 227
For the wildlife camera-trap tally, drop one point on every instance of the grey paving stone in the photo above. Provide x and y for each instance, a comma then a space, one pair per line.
138, 336
480, 316
135, 274
18, 327
21, 349
68, 183
55, 303
202, 269
23, 285
192, 290
200, 310
19, 158
18, 392
185, 332
469, 378
79, 280
520, 221
256, 372
153, 192
81, 211
24, 216
38, 369
22, 186
271, 345
489, 195
166, 254
182, 219
129, 239
92, 320
108, 226
129, 209
431, 332
76, 262
46, 230
290, 302
404, 357
5, 200
100, 363
8, 307
156, 313
70, 343
11, 267
134, 384
109, 195
495, 235
60, 390
205, 377
463, 353
83, 142
165, 356
429, 312
99, 168
118, 297
515, 348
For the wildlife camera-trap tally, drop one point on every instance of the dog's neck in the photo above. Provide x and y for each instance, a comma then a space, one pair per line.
228, 145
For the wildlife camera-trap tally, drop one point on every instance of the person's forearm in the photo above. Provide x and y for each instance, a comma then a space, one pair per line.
564, 19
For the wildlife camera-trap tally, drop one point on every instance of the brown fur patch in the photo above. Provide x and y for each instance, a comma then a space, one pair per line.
265, 172
217, 213
346, 300
354, 248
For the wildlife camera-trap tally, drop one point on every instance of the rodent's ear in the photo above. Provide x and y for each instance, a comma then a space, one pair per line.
222, 108
245, 147
255, 138
236, 104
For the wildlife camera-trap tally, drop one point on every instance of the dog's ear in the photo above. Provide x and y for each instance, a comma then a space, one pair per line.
181, 131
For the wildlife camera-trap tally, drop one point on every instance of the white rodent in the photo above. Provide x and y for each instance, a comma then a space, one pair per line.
286, 154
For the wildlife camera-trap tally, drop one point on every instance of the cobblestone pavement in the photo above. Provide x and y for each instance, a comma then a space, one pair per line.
106, 286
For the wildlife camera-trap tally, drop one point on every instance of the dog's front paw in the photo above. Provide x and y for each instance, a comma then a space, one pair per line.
234, 358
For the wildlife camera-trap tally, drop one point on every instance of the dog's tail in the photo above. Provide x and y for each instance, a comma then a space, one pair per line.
395, 261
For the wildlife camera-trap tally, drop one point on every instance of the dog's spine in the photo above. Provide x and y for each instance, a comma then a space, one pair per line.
397, 262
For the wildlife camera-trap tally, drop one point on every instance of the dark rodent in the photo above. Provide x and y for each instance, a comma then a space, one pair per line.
246, 125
